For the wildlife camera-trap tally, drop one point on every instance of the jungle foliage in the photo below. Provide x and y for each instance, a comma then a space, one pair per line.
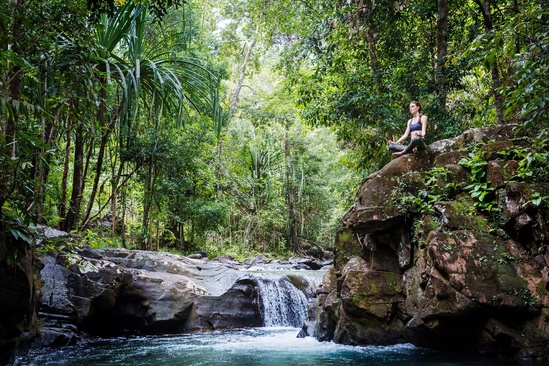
241, 127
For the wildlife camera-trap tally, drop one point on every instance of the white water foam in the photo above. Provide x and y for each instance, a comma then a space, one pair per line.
282, 304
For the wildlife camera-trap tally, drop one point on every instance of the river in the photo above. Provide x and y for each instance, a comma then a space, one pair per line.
272, 346
284, 310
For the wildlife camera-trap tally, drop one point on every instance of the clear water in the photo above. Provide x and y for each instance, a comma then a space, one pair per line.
247, 347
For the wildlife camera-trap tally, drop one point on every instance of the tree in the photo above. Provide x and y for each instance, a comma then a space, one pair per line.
95, 103
290, 193
524, 44
442, 52
159, 8
155, 85
484, 6
27, 117
92, 90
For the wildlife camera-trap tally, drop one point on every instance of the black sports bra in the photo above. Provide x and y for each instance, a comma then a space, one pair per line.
416, 126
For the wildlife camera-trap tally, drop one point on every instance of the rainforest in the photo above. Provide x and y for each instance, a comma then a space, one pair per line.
241, 130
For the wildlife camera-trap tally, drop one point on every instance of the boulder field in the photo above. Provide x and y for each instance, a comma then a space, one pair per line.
113, 292
61, 292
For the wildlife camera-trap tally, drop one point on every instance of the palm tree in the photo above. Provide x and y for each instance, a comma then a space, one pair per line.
154, 86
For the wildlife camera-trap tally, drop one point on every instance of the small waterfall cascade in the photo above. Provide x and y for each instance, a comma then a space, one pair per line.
282, 304
285, 297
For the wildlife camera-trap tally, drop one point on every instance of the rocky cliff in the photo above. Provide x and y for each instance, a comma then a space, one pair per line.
446, 249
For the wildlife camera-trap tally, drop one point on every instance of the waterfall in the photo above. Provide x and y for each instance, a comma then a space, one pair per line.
282, 304
285, 296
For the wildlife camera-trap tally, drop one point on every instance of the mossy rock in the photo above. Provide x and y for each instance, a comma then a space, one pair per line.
371, 294
491, 150
347, 246
299, 282
450, 158
499, 172
517, 197
460, 215
476, 264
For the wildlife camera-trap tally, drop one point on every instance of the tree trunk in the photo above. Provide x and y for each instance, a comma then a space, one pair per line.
442, 51
496, 86
518, 40
71, 219
240, 80
122, 231
48, 134
114, 212
115, 180
145, 229
14, 79
12, 92
290, 196
181, 231
96, 178
157, 236
496, 80
372, 50
105, 133
147, 225
40, 178
63, 204
235, 99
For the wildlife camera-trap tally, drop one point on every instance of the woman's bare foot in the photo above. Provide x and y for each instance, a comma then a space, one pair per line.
414, 150
397, 154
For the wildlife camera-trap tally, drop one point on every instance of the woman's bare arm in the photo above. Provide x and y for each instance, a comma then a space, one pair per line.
424, 126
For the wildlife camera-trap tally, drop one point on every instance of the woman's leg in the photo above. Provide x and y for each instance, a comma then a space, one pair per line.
396, 147
416, 143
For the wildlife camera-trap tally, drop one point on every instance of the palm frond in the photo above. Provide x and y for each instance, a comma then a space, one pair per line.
151, 77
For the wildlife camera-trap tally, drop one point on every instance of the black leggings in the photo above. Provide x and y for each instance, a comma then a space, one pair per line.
416, 142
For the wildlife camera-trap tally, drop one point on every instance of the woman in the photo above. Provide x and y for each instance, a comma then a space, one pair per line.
416, 126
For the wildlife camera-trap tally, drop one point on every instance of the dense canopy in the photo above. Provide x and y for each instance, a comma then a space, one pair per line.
241, 126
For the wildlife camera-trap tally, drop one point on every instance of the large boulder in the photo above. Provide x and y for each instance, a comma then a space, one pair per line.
454, 278
117, 291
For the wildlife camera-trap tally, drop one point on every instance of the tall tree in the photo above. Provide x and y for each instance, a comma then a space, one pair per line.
524, 47
11, 92
442, 51
155, 86
70, 219
290, 193
484, 6
240, 81
14, 76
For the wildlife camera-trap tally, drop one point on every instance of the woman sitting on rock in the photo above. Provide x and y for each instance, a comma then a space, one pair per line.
416, 126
